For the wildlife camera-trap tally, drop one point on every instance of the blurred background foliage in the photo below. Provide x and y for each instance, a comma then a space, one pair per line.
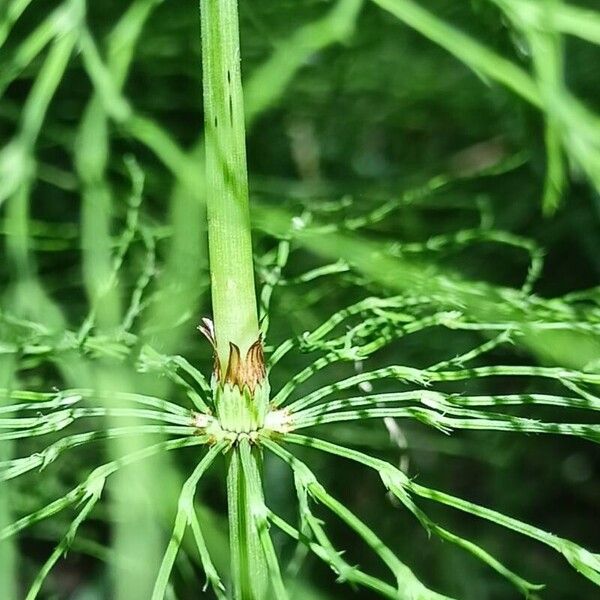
349, 109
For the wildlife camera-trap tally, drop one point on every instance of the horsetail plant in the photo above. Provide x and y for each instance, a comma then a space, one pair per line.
234, 412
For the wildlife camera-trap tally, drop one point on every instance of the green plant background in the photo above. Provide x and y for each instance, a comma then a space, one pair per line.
351, 106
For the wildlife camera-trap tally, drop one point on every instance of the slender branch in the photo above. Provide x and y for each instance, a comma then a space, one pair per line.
407, 583
587, 563
40, 460
353, 575
184, 518
100, 473
93, 496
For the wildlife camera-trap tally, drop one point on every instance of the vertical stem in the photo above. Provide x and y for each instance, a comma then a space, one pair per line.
248, 565
230, 245
235, 313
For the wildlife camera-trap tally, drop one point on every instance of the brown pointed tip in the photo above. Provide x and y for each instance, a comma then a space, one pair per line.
207, 328
234, 366
248, 372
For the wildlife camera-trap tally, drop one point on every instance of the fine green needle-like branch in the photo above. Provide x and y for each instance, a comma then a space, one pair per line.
185, 518
587, 563
408, 585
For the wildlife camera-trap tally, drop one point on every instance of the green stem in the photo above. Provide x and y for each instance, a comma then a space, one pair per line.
248, 564
235, 313
230, 245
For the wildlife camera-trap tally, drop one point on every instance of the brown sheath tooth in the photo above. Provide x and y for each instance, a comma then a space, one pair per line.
248, 372
207, 328
235, 367
255, 365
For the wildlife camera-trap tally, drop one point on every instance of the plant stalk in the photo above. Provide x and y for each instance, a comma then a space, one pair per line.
242, 391
235, 312
248, 563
